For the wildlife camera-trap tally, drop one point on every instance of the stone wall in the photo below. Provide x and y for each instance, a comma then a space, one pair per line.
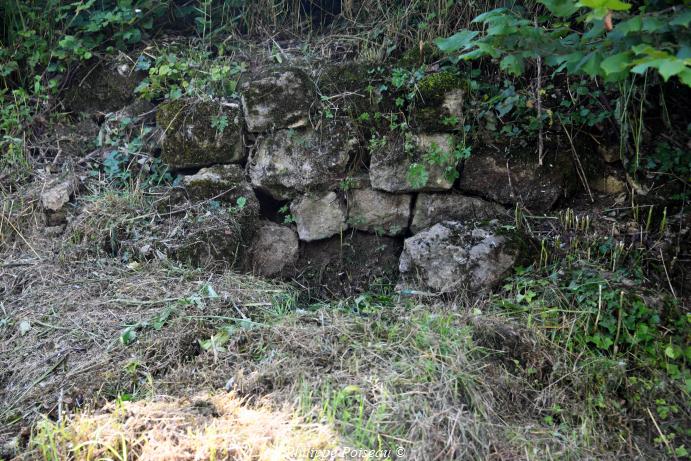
349, 207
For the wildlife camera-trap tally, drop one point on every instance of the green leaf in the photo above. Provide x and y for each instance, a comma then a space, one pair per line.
591, 64
681, 19
512, 64
670, 67
459, 41
561, 8
614, 5
652, 24
672, 351
417, 175
490, 15
129, 335
685, 77
616, 63
635, 24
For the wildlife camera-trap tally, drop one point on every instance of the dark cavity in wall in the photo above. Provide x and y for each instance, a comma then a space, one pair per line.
270, 208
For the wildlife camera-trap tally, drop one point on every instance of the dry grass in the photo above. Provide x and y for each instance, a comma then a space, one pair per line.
204, 427
60, 340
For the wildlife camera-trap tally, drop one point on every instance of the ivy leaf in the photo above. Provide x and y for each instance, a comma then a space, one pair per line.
616, 63
460, 40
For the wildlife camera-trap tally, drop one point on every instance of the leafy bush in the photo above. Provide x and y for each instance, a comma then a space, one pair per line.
597, 38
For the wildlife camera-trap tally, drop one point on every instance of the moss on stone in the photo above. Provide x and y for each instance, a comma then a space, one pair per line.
277, 98
434, 87
192, 141
104, 89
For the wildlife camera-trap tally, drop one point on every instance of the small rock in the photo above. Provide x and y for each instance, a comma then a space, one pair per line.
451, 256
431, 209
379, 212
56, 195
275, 248
277, 99
609, 154
199, 133
391, 163
288, 162
609, 185
319, 217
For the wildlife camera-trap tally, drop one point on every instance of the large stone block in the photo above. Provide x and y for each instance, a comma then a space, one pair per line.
452, 256
391, 162
289, 162
319, 216
277, 99
380, 212
198, 133
431, 209
511, 180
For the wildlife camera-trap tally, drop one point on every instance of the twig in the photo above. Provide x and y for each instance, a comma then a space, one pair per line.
538, 96
579, 166
659, 431
2, 215
664, 266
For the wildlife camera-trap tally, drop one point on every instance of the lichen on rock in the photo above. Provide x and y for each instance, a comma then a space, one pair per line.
198, 133
225, 183
519, 179
379, 212
452, 256
288, 162
319, 216
432, 209
441, 99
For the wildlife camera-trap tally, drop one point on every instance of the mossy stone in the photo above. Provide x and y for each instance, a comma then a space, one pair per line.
441, 97
357, 85
277, 98
105, 88
194, 135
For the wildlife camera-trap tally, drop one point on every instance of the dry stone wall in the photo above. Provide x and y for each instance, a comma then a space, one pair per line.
349, 208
